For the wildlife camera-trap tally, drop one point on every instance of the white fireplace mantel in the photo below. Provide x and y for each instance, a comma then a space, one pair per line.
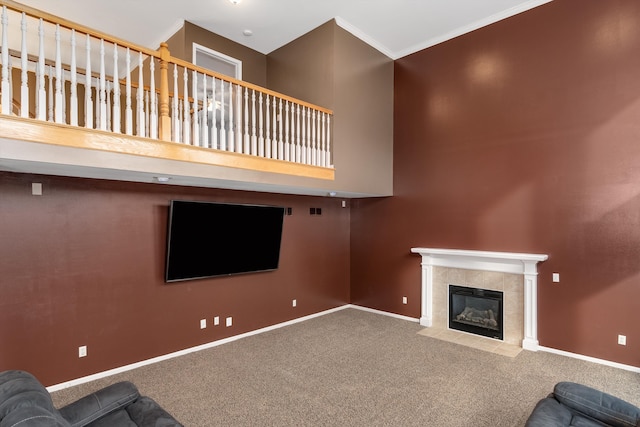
504, 262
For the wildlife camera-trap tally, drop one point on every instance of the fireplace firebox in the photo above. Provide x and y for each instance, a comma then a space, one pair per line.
477, 311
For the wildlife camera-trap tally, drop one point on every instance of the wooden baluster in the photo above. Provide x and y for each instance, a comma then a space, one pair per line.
5, 87
210, 106
267, 129
254, 140
108, 104
214, 118
238, 122
317, 139
10, 66
24, 64
116, 120
50, 95
223, 130
274, 133
41, 100
147, 109
322, 150
174, 113
298, 140
58, 70
245, 148
153, 110
73, 97
231, 106
312, 131
208, 141
200, 131
140, 100
165, 120
186, 126
196, 110
280, 141
180, 118
88, 99
286, 131
314, 139
128, 113
292, 136
303, 147
319, 147
260, 126
328, 152
64, 98
310, 136
102, 99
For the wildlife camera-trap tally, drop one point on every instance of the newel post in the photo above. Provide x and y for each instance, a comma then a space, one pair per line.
165, 119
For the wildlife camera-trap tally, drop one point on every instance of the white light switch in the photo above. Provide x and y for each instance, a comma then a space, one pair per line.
556, 277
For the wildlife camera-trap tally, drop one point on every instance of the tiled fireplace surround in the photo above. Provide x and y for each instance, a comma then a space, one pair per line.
514, 274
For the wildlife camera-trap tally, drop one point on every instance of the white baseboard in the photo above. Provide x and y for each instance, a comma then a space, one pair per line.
125, 368
212, 344
590, 359
384, 313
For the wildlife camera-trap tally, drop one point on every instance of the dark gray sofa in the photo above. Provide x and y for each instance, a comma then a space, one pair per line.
573, 404
25, 402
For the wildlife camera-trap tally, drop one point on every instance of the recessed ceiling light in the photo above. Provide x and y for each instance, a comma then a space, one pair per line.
247, 33
235, 1
162, 178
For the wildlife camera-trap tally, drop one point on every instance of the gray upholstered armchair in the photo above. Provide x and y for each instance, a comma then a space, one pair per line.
25, 402
573, 404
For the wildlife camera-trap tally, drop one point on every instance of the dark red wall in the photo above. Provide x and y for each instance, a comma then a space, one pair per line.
522, 136
83, 264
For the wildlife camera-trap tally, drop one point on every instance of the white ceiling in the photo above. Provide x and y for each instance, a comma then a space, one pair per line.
395, 27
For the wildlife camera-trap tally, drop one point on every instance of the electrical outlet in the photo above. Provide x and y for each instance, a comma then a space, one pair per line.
622, 339
216, 321
404, 300
229, 321
203, 323
556, 277
82, 351
294, 303
36, 188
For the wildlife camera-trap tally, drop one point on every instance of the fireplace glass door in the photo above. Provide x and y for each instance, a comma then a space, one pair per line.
477, 311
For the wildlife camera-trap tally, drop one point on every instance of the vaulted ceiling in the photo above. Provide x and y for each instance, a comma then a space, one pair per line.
395, 27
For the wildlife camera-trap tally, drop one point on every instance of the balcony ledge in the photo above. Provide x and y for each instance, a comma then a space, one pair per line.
32, 146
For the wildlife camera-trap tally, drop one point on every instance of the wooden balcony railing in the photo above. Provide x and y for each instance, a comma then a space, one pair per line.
61, 72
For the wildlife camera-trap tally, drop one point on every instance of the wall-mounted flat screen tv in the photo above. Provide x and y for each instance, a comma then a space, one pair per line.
207, 239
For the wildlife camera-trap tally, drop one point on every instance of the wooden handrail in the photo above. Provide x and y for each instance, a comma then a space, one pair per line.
308, 142
19, 7
162, 54
190, 66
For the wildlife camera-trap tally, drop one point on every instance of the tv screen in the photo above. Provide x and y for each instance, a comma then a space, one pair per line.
207, 239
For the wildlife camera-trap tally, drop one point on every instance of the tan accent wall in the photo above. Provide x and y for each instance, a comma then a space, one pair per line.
254, 64
330, 67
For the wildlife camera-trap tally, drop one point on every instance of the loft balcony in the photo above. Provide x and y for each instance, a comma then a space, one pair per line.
78, 102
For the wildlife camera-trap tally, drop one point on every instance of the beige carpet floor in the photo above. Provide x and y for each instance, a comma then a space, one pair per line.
356, 368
